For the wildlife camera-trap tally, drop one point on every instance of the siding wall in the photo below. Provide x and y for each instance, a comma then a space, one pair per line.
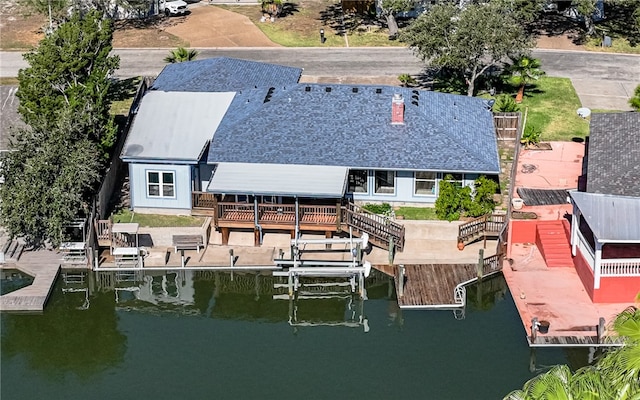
138, 179
404, 192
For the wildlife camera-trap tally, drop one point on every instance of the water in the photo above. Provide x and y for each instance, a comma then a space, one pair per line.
12, 280
232, 341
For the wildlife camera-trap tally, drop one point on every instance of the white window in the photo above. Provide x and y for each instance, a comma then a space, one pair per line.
385, 182
425, 183
161, 184
358, 181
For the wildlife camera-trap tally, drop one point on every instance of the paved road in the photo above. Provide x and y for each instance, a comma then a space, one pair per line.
603, 81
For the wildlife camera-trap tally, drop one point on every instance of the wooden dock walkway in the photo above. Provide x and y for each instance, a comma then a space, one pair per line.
433, 286
573, 341
44, 266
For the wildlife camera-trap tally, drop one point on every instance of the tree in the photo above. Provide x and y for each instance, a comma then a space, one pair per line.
449, 202
55, 166
69, 72
389, 9
470, 40
181, 55
635, 100
523, 71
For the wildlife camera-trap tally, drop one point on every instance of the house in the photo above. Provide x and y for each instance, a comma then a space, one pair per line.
232, 131
605, 232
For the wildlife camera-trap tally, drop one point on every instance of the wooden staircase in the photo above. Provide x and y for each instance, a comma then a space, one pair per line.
381, 230
552, 239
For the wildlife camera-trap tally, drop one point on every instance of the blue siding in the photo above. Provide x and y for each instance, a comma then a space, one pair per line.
405, 189
138, 179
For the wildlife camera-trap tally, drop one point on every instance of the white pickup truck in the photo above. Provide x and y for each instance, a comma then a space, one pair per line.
173, 7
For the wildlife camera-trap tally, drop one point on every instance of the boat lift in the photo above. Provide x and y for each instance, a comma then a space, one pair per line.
351, 269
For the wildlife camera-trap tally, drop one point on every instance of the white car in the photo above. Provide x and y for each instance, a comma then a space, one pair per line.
173, 7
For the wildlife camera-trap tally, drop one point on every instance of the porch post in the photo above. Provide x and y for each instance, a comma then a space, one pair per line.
575, 223
297, 220
596, 267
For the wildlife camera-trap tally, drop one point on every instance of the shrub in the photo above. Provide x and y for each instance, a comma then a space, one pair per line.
531, 135
481, 202
383, 209
449, 201
505, 103
634, 102
453, 200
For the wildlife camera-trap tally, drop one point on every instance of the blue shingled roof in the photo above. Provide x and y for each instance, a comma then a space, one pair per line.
223, 74
350, 126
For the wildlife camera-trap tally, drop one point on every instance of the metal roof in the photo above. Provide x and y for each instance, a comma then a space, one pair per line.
224, 74
175, 126
612, 219
614, 136
279, 180
350, 125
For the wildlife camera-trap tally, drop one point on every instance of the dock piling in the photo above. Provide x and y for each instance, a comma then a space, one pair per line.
480, 264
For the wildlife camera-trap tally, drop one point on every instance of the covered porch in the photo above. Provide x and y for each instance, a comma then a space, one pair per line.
292, 198
605, 241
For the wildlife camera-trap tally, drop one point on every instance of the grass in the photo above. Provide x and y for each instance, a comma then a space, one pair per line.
618, 45
156, 220
552, 105
301, 27
416, 213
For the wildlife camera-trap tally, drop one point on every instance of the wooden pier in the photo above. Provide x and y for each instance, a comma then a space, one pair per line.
44, 266
432, 286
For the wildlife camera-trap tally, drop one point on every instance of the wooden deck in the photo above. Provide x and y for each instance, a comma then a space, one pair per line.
573, 341
44, 266
433, 285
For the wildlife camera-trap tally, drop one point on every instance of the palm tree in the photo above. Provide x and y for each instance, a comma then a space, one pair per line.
621, 367
521, 72
181, 54
561, 384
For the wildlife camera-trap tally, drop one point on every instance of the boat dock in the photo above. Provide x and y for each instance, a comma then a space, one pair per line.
43, 266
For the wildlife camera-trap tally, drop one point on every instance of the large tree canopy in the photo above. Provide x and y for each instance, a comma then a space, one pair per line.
70, 70
469, 40
55, 164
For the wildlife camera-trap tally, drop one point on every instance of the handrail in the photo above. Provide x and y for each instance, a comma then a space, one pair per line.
492, 264
488, 223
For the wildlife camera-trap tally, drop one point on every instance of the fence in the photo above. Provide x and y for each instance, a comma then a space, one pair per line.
110, 179
507, 125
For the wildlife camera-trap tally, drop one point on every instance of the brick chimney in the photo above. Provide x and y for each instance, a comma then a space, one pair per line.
397, 110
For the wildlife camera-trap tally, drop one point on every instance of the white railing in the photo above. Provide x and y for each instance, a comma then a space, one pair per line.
586, 251
620, 267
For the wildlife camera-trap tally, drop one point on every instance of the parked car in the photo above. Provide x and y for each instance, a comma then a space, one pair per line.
173, 7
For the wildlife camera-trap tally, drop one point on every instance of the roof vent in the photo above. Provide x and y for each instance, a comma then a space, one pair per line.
307, 88
378, 91
354, 90
415, 92
327, 89
267, 98
414, 102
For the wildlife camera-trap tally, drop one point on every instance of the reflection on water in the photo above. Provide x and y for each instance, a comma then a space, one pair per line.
193, 334
12, 280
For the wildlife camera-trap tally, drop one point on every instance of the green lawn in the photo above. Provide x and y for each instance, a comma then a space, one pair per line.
552, 105
416, 213
157, 221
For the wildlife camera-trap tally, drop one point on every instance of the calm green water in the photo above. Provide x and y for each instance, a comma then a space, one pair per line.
208, 337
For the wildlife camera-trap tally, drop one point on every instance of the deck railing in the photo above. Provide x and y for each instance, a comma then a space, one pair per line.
381, 230
614, 267
486, 224
492, 265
